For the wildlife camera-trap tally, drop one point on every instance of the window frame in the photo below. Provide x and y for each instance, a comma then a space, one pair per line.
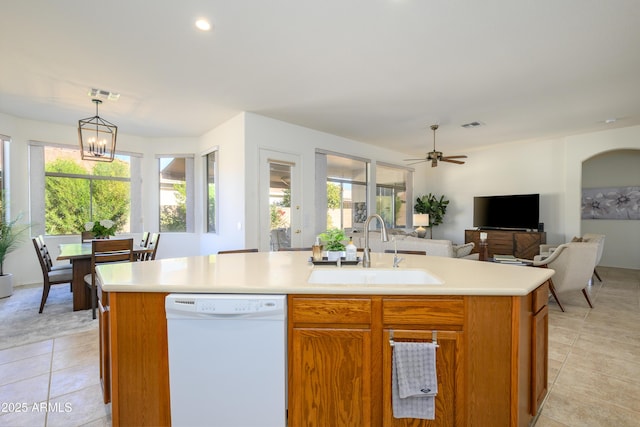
216, 168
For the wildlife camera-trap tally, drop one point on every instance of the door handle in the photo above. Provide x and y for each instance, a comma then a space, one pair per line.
298, 231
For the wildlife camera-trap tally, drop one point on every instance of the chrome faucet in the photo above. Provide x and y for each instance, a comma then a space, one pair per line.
366, 257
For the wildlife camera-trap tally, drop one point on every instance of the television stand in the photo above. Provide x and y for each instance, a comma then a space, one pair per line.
521, 244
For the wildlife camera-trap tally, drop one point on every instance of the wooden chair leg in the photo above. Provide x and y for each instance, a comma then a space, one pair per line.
586, 295
45, 295
553, 292
597, 275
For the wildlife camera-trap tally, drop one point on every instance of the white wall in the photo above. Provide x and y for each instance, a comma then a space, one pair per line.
229, 141
552, 168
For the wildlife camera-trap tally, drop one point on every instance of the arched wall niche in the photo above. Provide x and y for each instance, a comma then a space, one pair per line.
614, 169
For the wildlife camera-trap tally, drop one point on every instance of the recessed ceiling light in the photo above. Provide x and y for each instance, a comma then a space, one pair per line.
203, 24
609, 121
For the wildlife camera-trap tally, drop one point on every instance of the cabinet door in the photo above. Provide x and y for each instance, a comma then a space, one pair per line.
526, 245
449, 406
330, 378
539, 355
105, 351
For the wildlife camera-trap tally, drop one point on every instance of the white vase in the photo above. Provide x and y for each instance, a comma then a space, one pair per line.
6, 285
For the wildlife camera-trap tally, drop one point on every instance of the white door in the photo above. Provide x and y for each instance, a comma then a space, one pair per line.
280, 201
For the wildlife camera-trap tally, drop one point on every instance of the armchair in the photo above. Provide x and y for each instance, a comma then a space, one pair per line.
546, 250
573, 264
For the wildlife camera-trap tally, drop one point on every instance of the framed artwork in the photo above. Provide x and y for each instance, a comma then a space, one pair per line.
611, 203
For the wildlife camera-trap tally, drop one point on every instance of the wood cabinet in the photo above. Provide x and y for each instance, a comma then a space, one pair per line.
491, 361
521, 244
139, 359
340, 358
540, 344
105, 344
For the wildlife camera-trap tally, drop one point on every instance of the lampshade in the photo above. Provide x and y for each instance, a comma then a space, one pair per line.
97, 137
420, 220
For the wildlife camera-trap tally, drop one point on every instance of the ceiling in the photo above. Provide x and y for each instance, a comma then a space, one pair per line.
376, 71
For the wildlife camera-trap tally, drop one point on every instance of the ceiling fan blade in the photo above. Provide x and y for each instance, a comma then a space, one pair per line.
455, 157
414, 163
413, 160
447, 159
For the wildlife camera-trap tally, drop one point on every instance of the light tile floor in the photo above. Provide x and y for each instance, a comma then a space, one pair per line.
594, 366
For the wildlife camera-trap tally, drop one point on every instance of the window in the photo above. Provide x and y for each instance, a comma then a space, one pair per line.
346, 192
211, 170
78, 191
176, 201
391, 195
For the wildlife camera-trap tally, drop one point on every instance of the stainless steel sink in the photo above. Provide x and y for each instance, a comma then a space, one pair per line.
373, 276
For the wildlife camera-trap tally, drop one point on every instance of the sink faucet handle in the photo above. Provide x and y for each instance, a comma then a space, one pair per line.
396, 261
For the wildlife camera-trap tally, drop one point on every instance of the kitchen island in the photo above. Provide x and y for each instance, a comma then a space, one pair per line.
490, 321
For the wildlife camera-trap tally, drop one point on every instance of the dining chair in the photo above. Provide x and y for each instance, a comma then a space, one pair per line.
145, 239
405, 251
144, 242
106, 251
50, 275
293, 249
152, 243
87, 236
237, 251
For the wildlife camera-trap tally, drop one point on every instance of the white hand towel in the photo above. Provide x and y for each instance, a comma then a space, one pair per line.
414, 380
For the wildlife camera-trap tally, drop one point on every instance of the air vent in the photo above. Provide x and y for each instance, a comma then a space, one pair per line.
472, 125
105, 94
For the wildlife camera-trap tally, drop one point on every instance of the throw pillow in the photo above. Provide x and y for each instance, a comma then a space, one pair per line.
463, 250
577, 239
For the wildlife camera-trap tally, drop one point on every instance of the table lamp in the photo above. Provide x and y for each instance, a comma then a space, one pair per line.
421, 220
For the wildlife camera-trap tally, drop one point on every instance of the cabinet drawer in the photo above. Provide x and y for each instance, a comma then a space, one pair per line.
540, 297
423, 312
330, 310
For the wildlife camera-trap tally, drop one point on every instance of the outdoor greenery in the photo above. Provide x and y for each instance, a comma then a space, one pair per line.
68, 200
174, 217
11, 233
430, 204
333, 239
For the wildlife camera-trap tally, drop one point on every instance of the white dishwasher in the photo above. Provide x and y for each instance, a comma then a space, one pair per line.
227, 360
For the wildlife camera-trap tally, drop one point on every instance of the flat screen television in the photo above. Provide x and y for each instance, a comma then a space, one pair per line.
514, 212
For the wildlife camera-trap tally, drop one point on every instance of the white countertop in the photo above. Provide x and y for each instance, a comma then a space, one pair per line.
288, 272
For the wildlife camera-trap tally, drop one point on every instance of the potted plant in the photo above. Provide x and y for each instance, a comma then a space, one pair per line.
101, 229
430, 204
10, 236
333, 240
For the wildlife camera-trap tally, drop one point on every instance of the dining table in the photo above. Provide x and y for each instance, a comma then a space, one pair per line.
79, 254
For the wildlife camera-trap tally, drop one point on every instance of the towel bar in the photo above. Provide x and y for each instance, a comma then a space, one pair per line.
434, 338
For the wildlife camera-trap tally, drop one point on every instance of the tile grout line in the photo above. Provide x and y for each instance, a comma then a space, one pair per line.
46, 415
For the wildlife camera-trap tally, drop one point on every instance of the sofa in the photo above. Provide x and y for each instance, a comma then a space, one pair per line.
408, 242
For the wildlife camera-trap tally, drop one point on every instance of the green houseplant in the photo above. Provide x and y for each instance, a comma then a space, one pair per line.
436, 208
11, 232
333, 239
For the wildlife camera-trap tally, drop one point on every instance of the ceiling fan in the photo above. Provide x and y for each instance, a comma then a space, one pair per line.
434, 155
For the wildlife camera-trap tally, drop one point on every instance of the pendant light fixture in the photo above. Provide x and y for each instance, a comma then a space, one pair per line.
97, 137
